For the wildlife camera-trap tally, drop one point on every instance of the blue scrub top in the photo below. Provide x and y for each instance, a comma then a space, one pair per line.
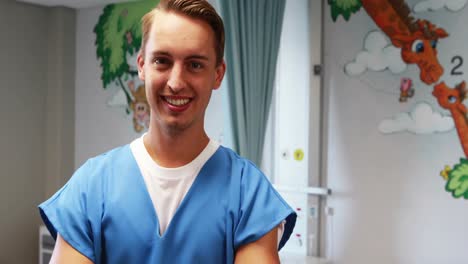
105, 212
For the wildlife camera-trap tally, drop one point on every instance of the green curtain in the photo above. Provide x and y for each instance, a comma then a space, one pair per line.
253, 30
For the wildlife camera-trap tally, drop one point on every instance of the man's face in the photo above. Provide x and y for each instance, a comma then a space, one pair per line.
179, 70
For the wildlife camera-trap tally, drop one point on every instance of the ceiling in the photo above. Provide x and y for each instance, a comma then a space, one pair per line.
73, 3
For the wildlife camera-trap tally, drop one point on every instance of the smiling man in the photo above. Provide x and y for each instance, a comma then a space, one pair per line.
172, 195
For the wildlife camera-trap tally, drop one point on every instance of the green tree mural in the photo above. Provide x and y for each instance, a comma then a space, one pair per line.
118, 33
457, 180
344, 7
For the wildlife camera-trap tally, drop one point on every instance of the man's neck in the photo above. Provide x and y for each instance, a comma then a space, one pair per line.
173, 150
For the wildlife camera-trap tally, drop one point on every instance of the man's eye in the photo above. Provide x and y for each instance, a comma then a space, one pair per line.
196, 65
161, 61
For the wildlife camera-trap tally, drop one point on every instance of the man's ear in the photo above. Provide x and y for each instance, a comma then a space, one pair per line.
141, 64
220, 71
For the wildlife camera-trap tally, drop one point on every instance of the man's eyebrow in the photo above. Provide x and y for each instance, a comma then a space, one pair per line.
190, 57
160, 53
198, 57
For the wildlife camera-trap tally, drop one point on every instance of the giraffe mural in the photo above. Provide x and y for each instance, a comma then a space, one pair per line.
416, 38
452, 100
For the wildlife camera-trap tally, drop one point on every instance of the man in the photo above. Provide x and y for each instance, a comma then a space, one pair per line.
173, 195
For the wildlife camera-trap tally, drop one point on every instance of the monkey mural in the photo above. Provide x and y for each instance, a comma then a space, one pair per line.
140, 107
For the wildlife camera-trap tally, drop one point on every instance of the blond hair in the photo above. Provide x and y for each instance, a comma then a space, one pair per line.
197, 9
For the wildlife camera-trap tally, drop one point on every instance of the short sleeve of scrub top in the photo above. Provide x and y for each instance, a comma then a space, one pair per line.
72, 211
261, 209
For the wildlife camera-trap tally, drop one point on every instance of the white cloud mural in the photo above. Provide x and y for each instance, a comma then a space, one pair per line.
433, 5
421, 120
378, 55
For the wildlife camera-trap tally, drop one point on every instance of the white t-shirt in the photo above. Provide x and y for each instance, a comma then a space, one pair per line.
167, 187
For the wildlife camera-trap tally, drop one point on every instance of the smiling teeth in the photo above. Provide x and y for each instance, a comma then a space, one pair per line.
177, 102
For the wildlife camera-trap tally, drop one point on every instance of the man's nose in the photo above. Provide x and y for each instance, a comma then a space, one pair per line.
176, 81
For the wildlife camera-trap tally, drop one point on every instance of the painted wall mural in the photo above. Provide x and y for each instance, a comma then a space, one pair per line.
118, 39
403, 39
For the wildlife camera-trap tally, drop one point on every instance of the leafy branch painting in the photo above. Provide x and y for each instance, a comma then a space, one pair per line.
118, 35
457, 179
344, 8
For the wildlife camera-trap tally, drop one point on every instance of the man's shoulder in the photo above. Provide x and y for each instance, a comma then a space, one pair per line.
239, 163
110, 155
230, 155
105, 162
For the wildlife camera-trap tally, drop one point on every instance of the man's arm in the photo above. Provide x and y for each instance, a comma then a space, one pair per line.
264, 250
64, 253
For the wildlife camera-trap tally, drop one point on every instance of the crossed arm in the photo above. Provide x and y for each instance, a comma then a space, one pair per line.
261, 251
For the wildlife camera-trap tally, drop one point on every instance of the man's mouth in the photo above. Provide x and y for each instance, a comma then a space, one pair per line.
177, 101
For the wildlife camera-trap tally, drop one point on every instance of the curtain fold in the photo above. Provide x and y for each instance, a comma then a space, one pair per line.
253, 30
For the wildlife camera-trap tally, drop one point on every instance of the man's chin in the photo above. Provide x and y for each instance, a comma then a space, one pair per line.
176, 126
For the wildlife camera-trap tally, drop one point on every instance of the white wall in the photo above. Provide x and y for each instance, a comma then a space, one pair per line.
60, 100
34, 111
390, 205
98, 126
22, 105
291, 122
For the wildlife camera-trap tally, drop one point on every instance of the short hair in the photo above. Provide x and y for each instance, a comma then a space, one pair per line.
198, 9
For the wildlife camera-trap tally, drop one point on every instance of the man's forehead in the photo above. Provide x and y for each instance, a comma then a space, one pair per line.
173, 29
172, 17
